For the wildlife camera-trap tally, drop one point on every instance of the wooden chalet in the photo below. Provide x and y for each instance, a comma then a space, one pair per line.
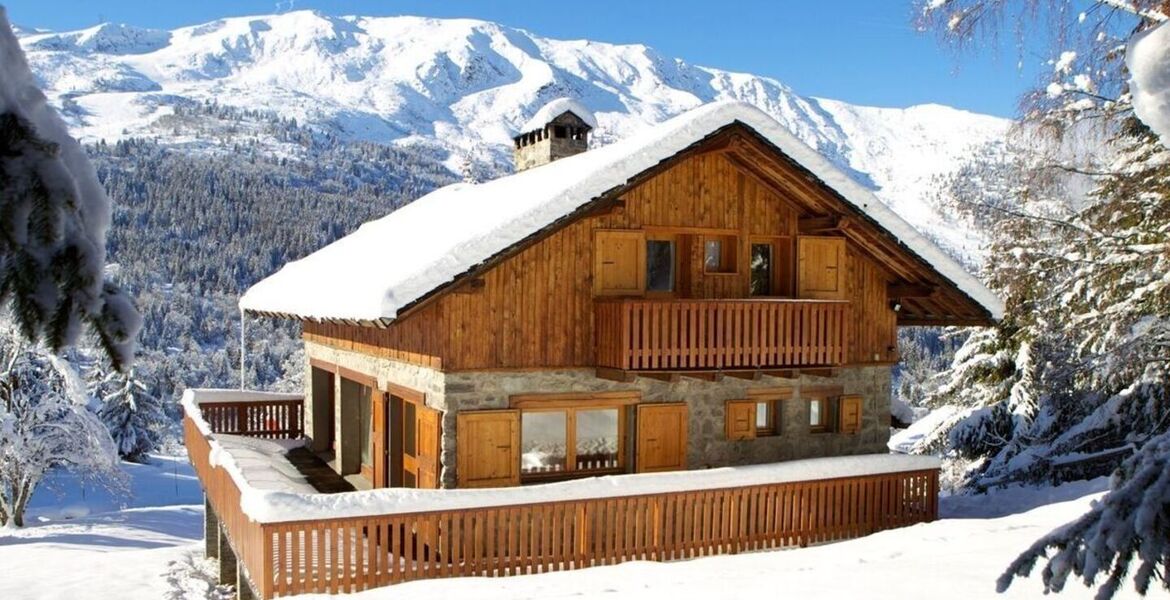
708, 293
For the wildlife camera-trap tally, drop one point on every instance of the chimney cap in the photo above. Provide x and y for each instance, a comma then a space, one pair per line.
556, 108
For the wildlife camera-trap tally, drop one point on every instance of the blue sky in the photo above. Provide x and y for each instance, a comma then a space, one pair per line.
860, 51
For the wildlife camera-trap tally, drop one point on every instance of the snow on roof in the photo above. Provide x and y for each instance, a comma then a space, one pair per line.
1148, 59
393, 261
555, 109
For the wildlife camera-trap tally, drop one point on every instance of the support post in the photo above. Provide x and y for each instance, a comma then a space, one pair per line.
228, 566
210, 530
243, 585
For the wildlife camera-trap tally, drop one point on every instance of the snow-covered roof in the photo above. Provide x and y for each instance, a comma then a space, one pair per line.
1148, 59
391, 262
556, 108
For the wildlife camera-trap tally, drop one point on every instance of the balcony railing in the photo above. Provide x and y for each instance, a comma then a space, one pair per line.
650, 335
455, 533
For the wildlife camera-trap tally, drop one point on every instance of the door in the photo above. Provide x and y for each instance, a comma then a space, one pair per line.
428, 428
619, 262
662, 437
821, 268
487, 448
380, 435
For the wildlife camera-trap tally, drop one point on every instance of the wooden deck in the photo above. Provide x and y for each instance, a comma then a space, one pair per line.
352, 554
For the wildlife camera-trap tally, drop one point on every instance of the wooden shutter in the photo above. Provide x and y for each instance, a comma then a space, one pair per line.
849, 414
487, 448
427, 435
619, 262
662, 437
380, 454
821, 269
740, 419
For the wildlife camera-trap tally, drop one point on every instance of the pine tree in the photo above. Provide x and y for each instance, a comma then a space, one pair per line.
53, 221
134, 417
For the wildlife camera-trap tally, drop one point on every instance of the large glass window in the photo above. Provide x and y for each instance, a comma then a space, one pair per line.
575, 440
659, 265
598, 439
543, 442
761, 266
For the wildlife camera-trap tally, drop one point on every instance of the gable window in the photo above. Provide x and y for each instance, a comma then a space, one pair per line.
719, 254
660, 261
567, 436
762, 262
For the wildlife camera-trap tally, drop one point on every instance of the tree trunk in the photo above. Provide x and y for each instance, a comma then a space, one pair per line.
21, 503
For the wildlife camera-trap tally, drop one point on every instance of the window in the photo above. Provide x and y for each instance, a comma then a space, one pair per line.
761, 270
566, 435
660, 265
766, 415
560, 131
818, 414
719, 254
756, 416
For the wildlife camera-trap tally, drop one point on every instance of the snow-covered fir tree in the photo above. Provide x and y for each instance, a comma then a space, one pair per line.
1073, 384
53, 221
135, 417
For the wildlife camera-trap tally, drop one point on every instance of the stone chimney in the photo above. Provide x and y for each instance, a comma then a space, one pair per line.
559, 129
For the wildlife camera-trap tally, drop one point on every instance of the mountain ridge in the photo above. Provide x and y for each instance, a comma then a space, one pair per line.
461, 87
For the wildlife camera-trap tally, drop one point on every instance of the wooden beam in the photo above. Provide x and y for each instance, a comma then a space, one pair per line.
783, 373
807, 225
704, 375
614, 374
819, 372
910, 290
660, 376
749, 375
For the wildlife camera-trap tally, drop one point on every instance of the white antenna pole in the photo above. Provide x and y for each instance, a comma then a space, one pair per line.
243, 322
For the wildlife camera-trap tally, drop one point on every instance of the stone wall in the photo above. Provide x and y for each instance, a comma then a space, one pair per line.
707, 443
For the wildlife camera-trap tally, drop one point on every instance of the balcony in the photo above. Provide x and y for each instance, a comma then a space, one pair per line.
711, 335
281, 538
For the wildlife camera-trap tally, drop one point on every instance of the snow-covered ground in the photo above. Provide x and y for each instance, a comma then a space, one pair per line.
146, 543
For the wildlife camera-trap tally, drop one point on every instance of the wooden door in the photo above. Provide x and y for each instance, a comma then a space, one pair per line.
428, 431
619, 262
487, 448
380, 435
662, 437
821, 267
408, 429
849, 414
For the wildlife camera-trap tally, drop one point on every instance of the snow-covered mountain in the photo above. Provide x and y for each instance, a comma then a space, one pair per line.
462, 86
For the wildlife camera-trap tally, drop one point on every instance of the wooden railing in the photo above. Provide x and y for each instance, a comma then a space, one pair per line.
721, 334
267, 419
353, 554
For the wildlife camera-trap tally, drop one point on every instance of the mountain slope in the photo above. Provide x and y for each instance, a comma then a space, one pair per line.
459, 87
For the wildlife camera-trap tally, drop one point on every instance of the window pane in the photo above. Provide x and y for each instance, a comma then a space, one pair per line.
713, 255
659, 265
597, 439
761, 270
542, 442
762, 413
815, 416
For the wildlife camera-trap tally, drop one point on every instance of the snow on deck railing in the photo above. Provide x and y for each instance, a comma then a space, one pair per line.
270, 492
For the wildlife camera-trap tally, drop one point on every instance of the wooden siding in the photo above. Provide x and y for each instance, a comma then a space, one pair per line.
352, 554
536, 308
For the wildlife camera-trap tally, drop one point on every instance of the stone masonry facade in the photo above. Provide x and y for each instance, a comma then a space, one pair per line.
708, 445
